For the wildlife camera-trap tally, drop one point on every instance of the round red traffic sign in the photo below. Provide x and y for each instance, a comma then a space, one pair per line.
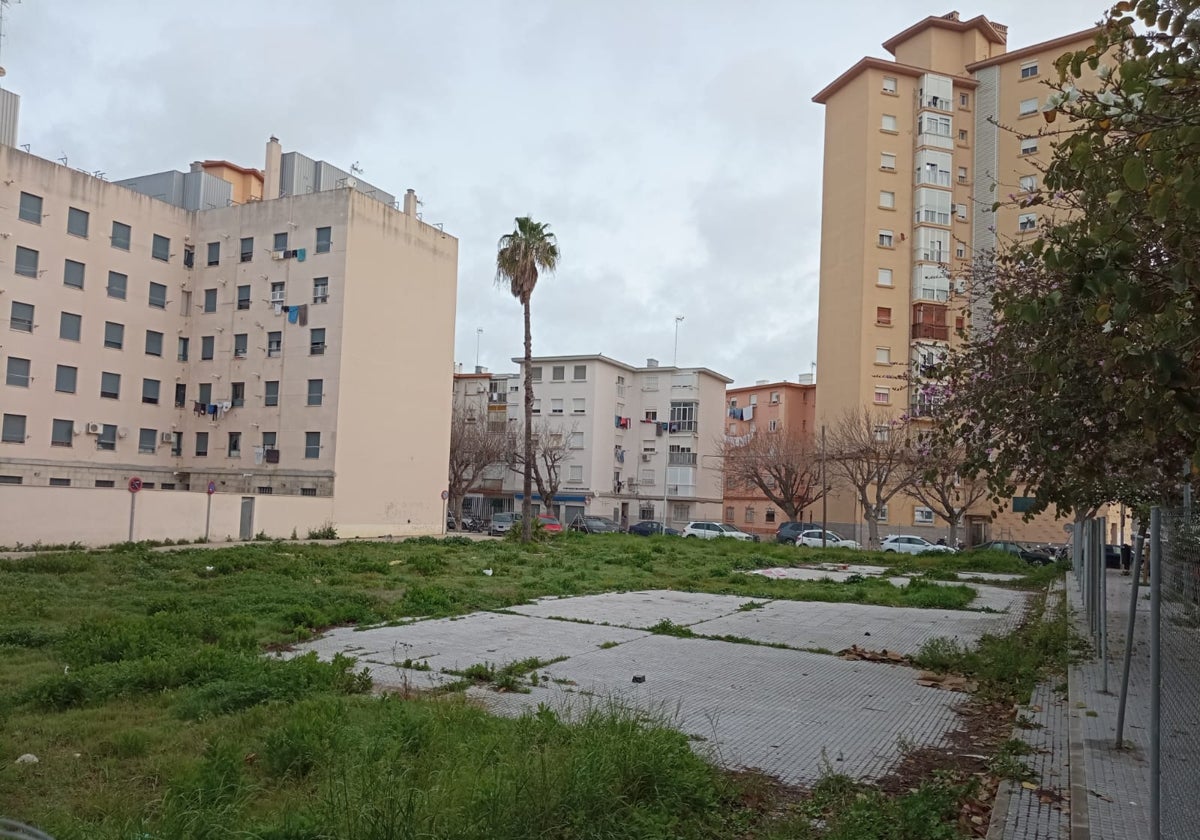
135, 484
445, 495
212, 487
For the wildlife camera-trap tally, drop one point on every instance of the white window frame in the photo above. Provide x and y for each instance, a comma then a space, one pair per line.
1028, 183
1028, 107
578, 405
1029, 69
883, 355
1027, 222
885, 277
1029, 145
887, 238
923, 515
887, 161
883, 396
575, 474
887, 199
887, 122
889, 84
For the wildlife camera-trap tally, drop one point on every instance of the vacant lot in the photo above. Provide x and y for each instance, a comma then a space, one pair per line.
137, 679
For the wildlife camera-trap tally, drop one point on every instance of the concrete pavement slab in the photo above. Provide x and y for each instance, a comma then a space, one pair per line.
636, 609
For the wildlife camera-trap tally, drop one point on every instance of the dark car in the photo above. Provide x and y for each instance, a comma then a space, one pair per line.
1112, 556
787, 532
1030, 555
594, 525
649, 528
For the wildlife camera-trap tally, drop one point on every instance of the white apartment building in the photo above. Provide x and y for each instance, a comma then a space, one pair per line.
641, 437
183, 330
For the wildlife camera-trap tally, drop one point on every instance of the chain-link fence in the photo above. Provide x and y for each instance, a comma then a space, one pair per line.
1179, 667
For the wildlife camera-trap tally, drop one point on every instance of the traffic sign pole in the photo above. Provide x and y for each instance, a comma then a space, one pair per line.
135, 484
445, 496
212, 488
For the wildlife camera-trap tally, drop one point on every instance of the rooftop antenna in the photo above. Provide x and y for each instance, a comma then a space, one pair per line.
355, 169
4, 4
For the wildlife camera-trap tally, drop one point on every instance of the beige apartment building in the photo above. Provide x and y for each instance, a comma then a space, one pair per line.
282, 336
765, 408
914, 160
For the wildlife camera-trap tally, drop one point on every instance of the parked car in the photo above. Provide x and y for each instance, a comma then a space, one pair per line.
908, 544
594, 525
833, 539
648, 528
550, 523
734, 531
786, 533
713, 530
1112, 556
1030, 555
502, 523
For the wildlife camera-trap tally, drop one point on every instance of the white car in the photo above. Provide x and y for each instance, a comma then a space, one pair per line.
832, 540
713, 530
908, 544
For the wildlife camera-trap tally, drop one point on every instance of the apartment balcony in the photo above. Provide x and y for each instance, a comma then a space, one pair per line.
929, 322
936, 332
682, 459
497, 398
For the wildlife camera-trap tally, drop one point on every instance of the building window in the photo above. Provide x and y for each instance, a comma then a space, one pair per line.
117, 284
73, 274
316, 389
26, 262
147, 441
214, 253
21, 317
280, 243
556, 406
65, 377
535, 373
962, 135
150, 391
312, 445
1026, 222
1029, 146
579, 374
176, 446
160, 248
107, 440
208, 344
1029, 106
773, 426
885, 238
889, 84
960, 212
265, 490
105, 482
1029, 69
121, 235
237, 394
558, 373
683, 417
888, 123
964, 100
887, 162
575, 440
1028, 183
578, 405
110, 385
754, 399
180, 394
922, 516
274, 344
962, 174
62, 433
154, 343
241, 343
210, 300
774, 398
575, 474
729, 513
883, 355
268, 439
320, 290
882, 396
271, 392
181, 353
69, 325
243, 297
884, 277
17, 372
235, 445
883, 316
324, 240
316, 342
205, 395
114, 335
246, 250
30, 208
749, 514
960, 250
13, 430
887, 199
201, 444
537, 406
882, 515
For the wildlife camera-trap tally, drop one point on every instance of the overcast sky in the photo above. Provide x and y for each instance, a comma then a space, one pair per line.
672, 145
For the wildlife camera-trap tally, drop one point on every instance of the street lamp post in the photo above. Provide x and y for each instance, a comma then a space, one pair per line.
675, 356
478, 336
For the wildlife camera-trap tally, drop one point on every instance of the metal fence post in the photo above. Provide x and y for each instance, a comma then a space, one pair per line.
1155, 671
1102, 528
1133, 599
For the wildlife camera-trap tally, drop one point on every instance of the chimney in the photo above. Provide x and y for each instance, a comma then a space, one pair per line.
271, 173
651, 363
197, 166
410, 202
761, 381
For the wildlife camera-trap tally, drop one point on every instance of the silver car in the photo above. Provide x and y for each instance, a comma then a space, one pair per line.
502, 523
909, 544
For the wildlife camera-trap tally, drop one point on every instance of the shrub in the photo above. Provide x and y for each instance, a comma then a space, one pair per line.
328, 531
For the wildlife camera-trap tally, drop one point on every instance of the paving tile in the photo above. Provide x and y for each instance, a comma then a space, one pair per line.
636, 609
1027, 816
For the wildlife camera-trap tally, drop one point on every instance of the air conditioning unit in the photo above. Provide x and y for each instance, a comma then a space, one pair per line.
95, 428
647, 457
123, 432
278, 255
167, 437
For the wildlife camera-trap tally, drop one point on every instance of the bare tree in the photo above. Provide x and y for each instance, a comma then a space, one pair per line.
551, 450
780, 465
870, 453
940, 485
472, 450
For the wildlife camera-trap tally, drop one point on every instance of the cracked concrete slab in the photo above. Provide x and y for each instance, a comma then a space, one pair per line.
636, 609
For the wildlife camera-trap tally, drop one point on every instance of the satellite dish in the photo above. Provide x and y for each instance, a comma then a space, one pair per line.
351, 183
3, 72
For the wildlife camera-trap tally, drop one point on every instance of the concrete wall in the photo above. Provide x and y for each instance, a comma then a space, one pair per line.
101, 517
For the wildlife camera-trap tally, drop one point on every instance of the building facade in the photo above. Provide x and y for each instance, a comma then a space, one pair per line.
765, 408
917, 149
162, 328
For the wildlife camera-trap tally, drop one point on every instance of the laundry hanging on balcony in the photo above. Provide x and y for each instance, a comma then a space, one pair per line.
623, 422
735, 413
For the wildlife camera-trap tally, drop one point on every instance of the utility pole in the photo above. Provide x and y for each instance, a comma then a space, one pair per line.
478, 336
675, 356
824, 490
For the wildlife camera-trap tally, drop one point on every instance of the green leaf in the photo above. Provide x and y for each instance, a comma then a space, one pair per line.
1134, 173
1115, 196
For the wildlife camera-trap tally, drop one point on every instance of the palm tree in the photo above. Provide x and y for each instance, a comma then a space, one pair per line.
520, 255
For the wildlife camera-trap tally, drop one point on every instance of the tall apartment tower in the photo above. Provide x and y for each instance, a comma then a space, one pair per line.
917, 148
